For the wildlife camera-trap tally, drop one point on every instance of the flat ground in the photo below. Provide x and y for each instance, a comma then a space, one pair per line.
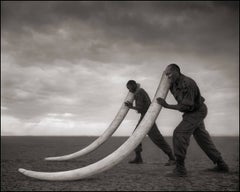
29, 152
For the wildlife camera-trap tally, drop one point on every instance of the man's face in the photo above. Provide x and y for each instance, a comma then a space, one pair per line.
132, 87
172, 74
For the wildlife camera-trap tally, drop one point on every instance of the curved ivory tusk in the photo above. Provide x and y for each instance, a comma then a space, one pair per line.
117, 156
100, 140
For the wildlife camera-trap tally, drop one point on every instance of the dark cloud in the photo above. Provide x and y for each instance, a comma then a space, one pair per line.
99, 30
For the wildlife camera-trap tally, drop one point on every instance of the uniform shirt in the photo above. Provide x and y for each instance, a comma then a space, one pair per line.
142, 101
187, 94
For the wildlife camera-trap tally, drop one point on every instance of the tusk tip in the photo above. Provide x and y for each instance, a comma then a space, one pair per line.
21, 170
50, 159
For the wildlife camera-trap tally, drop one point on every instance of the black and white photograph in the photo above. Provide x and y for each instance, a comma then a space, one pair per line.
119, 95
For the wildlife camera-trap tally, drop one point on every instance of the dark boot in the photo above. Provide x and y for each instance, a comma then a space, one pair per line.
221, 167
138, 159
179, 171
171, 160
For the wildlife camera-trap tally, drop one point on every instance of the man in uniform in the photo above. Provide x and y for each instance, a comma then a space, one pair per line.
191, 103
142, 103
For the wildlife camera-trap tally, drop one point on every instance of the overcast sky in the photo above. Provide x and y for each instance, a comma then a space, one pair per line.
64, 65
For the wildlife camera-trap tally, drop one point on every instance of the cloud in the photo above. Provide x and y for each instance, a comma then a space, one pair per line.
76, 57
105, 31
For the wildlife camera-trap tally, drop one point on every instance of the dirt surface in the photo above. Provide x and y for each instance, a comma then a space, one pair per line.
29, 152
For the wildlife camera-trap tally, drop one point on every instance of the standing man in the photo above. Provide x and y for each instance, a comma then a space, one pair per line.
142, 103
191, 103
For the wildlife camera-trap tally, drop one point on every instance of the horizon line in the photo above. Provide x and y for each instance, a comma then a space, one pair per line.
98, 135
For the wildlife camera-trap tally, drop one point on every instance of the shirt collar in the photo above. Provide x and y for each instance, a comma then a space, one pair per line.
138, 88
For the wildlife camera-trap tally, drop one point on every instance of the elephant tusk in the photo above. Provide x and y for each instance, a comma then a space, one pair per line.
117, 156
100, 140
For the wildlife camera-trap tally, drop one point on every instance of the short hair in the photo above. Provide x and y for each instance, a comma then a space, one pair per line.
131, 82
174, 67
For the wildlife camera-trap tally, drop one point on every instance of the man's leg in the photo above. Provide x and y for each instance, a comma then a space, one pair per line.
159, 140
182, 134
181, 139
138, 157
204, 140
138, 149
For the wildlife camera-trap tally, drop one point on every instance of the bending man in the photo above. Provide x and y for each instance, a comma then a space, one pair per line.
142, 103
191, 103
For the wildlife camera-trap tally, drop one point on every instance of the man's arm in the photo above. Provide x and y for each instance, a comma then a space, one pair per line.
130, 105
179, 107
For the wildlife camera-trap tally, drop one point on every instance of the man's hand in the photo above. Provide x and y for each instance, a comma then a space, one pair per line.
162, 102
128, 104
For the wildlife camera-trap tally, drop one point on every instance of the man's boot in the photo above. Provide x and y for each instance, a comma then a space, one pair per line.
179, 171
221, 167
171, 160
138, 159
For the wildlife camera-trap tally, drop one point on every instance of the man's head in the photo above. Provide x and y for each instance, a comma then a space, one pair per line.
173, 72
132, 86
